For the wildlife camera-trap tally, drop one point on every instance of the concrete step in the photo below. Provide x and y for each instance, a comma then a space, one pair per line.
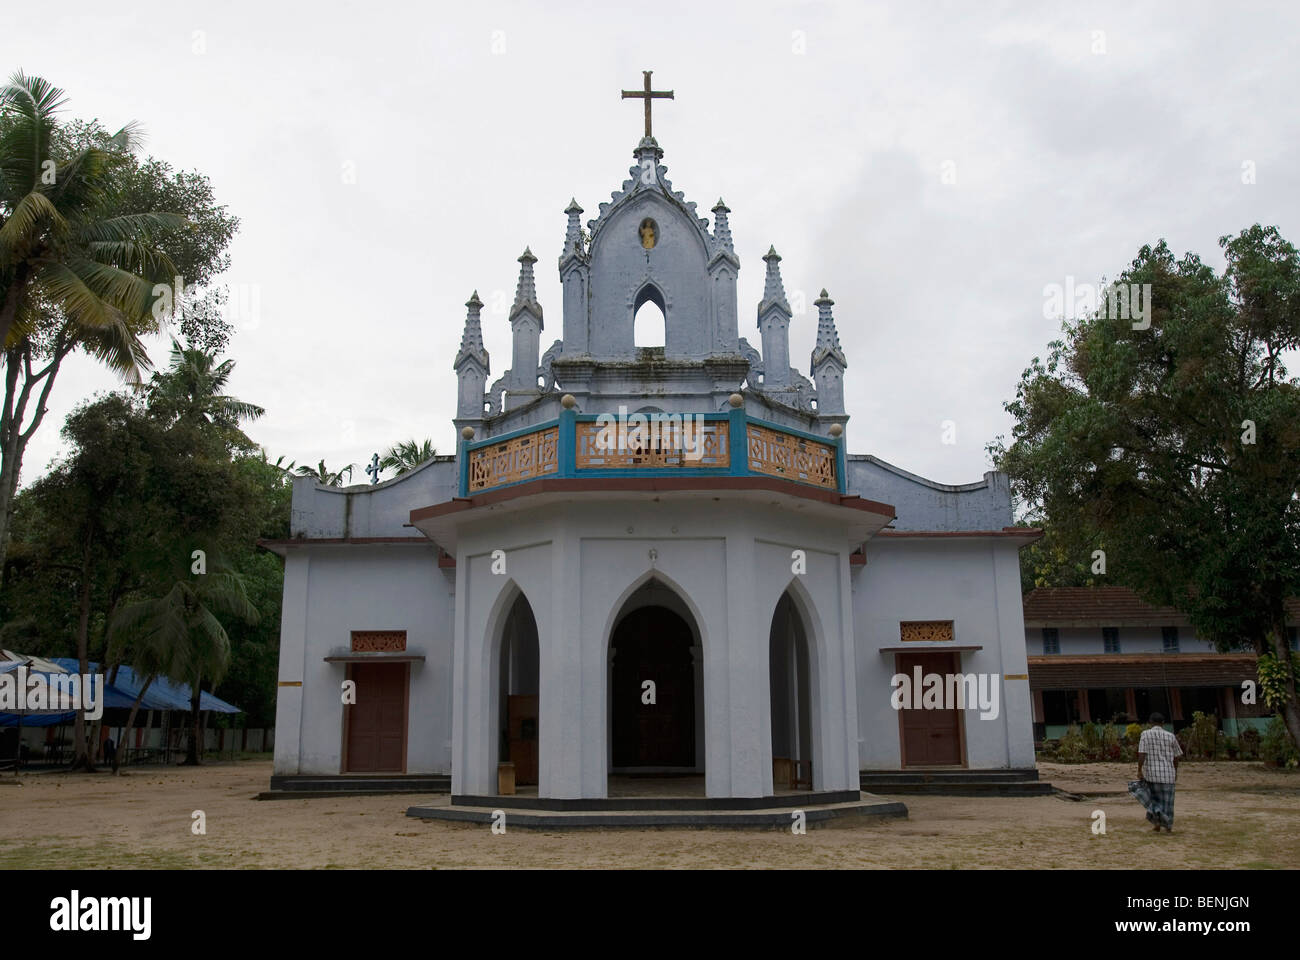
352, 785
949, 776
733, 819
957, 783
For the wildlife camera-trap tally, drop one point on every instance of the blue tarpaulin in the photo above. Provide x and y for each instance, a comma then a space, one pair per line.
163, 694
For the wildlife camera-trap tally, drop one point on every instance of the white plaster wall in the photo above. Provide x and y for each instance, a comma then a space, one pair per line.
976, 584
578, 563
1082, 641
924, 505
379, 510
381, 587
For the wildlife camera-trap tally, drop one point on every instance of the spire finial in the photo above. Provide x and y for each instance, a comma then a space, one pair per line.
526, 289
721, 227
573, 232
773, 288
471, 341
828, 339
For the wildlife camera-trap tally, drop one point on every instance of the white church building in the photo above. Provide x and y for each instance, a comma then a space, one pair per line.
650, 560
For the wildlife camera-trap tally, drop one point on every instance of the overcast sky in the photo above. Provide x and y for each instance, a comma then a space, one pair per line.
387, 159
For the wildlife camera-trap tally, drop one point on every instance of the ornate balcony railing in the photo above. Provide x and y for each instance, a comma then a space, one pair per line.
577, 445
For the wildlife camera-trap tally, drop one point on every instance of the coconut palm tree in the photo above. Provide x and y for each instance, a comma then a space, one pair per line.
61, 246
179, 635
324, 476
407, 455
191, 391
74, 272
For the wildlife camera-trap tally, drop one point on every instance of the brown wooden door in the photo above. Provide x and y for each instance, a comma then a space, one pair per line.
523, 718
376, 723
930, 737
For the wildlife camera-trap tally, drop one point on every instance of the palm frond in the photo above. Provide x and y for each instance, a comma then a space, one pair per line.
16, 238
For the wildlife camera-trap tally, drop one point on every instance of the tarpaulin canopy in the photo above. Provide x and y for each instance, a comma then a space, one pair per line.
163, 694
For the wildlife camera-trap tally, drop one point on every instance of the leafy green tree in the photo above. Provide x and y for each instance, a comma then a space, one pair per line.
91, 219
179, 633
1179, 444
92, 513
407, 455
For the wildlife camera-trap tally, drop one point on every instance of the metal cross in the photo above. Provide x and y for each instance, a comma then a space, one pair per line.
647, 95
373, 469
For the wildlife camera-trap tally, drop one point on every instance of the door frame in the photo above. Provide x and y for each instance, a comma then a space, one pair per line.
347, 723
955, 665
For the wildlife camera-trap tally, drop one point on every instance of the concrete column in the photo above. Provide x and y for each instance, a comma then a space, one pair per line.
739, 761
293, 654
567, 734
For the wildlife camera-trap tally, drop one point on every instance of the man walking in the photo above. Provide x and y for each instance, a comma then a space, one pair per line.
1158, 758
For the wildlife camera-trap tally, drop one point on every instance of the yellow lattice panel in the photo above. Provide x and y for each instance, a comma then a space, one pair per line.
672, 442
521, 458
920, 631
784, 455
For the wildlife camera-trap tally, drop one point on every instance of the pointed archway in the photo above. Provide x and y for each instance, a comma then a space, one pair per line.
792, 665
516, 717
655, 701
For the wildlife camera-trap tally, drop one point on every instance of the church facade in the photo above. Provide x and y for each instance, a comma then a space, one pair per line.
654, 560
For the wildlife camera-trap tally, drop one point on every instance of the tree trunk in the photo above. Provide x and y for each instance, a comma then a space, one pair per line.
194, 755
80, 758
1290, 707
13, 437
9, 307
130, 723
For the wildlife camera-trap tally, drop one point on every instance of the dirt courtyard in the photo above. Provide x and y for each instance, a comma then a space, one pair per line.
1228, 815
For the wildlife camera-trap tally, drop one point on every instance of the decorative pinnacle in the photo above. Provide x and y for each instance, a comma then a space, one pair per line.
828, 340
721, 227
573, 233
773, 288
526, 290
471, 341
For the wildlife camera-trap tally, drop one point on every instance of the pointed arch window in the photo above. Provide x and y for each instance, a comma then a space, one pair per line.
649, 323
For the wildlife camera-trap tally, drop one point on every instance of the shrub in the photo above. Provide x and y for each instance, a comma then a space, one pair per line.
1203, 738
1070, 748
1133, 733
1248, 742
1275, 747
1092, 737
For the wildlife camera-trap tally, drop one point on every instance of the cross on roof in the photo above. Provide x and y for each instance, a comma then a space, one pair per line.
647, 95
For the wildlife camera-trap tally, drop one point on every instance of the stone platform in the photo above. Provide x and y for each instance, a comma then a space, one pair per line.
669, 802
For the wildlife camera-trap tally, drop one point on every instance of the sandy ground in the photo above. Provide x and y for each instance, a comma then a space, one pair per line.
1227, 815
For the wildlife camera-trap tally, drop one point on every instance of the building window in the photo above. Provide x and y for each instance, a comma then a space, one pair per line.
1110, 639
1294, 638
1170, 636
1051, 640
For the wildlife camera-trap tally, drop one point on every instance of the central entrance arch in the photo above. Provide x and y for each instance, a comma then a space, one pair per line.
655, 686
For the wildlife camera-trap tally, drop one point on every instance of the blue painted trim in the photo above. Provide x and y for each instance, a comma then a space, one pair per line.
502, 437
738, 440
794, 431
567, 454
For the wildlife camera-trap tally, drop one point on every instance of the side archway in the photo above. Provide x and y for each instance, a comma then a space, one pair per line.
794, 681
513, 674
